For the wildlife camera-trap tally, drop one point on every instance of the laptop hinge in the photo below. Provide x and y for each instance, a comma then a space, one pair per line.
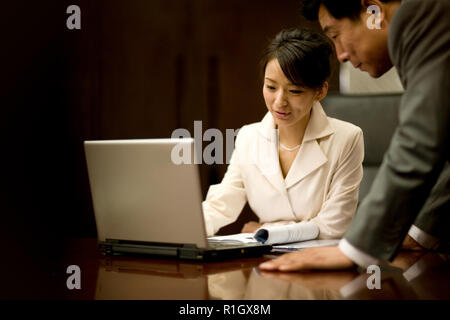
191, 252
186, 251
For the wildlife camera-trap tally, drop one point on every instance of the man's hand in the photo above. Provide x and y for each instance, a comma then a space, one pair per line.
251, 227
411, 244
321, 258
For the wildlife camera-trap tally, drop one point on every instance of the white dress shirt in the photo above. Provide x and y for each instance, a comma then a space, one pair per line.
364, 260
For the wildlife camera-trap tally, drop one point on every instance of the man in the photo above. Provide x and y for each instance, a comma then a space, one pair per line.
411, 193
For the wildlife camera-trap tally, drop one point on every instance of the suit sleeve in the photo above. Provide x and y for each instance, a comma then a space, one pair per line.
433, 220
340, 205
419, 42
225, 201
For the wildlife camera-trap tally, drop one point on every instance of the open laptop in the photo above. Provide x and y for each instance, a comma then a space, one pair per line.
145, 203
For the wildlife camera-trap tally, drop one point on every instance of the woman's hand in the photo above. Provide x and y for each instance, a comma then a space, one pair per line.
251, 227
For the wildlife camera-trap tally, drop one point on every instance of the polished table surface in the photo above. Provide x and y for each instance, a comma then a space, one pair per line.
412, 275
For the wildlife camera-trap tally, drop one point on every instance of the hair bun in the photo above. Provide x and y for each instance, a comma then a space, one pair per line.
304, 56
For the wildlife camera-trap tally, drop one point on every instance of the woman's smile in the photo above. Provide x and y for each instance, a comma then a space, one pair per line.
282, 115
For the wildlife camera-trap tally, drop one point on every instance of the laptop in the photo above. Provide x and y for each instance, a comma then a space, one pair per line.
146, 203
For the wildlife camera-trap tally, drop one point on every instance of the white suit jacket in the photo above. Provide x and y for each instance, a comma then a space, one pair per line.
321, 186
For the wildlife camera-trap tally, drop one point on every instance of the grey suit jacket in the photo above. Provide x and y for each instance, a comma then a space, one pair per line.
413, 183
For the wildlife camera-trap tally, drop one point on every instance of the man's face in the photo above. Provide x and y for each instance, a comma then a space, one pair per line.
366, 49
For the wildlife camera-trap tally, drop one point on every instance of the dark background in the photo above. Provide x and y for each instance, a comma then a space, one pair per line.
136, 69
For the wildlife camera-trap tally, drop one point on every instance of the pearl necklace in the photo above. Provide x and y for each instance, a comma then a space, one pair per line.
289, 149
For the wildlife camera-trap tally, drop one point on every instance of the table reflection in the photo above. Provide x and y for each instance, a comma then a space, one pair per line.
412, 275
409, 276
260, 285
137, 279
149, 280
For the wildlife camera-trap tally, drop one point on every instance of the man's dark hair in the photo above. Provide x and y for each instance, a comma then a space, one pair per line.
304, 56
338, 8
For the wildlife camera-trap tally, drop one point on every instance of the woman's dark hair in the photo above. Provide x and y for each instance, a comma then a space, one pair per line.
339, 9
304, 56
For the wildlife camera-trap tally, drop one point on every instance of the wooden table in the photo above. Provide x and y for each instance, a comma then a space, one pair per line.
413, 275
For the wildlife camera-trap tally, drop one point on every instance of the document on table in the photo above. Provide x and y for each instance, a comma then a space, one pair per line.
287, 233
234, 238
288, 247
304, 244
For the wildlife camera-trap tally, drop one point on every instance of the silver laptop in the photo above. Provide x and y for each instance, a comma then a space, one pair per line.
146, 203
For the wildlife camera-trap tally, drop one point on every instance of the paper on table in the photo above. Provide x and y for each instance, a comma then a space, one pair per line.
234, 238
288, 233
274, 235
305, 244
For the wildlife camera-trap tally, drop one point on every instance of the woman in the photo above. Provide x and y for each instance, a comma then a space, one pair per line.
308, 171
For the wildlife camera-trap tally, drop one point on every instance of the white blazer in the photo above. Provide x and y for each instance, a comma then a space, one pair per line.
321, 186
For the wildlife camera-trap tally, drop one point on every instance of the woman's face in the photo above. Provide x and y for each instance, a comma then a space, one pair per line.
287, 102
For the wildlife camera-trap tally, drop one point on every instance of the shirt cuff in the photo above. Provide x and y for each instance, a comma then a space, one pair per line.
424, 239
357, 256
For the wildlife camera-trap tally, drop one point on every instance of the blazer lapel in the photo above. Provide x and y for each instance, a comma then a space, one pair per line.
265, 154
310, 156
